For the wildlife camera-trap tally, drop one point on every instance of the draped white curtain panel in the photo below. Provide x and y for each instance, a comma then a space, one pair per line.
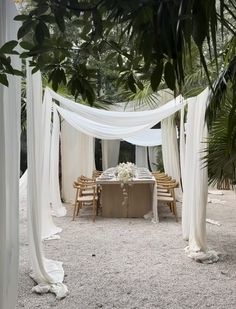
9, 166
77, 158
47, 273
110, 153
196, 181
195, 175
170, 152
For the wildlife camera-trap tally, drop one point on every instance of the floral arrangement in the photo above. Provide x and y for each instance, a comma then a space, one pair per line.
125, 172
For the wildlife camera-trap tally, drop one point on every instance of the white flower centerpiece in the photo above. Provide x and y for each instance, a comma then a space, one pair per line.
125, 172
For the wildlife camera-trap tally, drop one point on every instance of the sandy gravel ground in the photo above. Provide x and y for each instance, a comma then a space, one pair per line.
134, 264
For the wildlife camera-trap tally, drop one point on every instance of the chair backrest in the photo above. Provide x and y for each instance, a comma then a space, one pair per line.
96, 173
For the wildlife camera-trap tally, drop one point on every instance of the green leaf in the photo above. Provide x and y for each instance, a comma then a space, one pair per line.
8, 47
24, 55
139, 84
35, 69
156, 76
199, 22
45, 29
47, 19
3, 80
40, 32
61, 76
55, 82
97, 21
26, 45
131, 83
25, 28
41, 9
90, 95
120, 61
59, 17
169, 75
21, 17
18, 73
111, 56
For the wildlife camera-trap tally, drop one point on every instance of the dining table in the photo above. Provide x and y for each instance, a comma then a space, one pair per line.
134, 199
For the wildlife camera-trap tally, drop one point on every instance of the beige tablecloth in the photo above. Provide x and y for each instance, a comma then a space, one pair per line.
141, 197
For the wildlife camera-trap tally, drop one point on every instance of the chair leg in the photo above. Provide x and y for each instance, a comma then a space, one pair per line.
175, 211
170, 206
78, 209
75, 207
98, 204
94, 210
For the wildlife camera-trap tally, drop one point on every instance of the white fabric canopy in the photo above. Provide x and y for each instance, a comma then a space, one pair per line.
147, 137
101, 124
112, 125
9, 166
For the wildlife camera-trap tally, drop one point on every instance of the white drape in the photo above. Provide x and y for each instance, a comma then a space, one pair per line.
152, 153
195, 175
182, 145
145, 154
110, 153
23, 189
101, 124
9, 166
112, 125
57, 209
147, 137
141, 159
48, 228
170, 151
47, 273
77, 158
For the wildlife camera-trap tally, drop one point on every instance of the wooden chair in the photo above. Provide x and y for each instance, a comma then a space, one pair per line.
166, 191
96, 174
85, 180
86, 192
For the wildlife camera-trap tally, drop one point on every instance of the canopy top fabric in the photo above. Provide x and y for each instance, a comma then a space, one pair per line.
111, 124
147, 137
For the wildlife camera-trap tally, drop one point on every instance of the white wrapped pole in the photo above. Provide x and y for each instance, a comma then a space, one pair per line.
9, 166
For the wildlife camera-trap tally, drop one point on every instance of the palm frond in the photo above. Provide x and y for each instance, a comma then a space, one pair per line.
221, 158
